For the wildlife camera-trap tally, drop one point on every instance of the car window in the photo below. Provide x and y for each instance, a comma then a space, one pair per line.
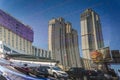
71, 69
57, 68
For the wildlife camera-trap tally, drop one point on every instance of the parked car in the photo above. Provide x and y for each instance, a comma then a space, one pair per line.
24, 69
57, 72
112, 73
100, 75
91, 74
76, 73
97, 75
41, 71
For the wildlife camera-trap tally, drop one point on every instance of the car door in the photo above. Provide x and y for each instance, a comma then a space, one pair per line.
50, 70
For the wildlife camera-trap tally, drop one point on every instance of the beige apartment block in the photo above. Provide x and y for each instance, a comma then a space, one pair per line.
91, 32
63, 43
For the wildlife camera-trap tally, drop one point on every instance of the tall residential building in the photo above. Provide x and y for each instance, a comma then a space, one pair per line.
63, 42
91, 32
15, 37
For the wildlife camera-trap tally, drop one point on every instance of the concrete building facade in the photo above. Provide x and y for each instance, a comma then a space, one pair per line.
115, 56
91, 32
15, 37
63, 42
41, 53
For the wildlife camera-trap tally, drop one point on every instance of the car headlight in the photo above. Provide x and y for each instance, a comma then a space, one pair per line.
62, 74
59, 73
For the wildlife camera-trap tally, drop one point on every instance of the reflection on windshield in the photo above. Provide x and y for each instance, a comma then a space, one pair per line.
57, 68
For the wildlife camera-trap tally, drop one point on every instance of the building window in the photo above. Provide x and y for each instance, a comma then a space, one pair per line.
49, 54
16, 42
9, 37
42, 53
4, 35
24, 45
35, 51
27, 46
20, 44
38, 52
12, 39
46, 54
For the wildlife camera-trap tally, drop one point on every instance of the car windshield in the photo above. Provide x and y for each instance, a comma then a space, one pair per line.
57, 68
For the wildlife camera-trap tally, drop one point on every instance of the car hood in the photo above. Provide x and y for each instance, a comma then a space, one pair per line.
62, 72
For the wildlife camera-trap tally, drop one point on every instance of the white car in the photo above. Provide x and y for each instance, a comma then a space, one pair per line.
57, 72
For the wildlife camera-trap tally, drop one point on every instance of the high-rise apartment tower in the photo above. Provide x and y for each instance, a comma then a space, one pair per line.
63, 42
91, 32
